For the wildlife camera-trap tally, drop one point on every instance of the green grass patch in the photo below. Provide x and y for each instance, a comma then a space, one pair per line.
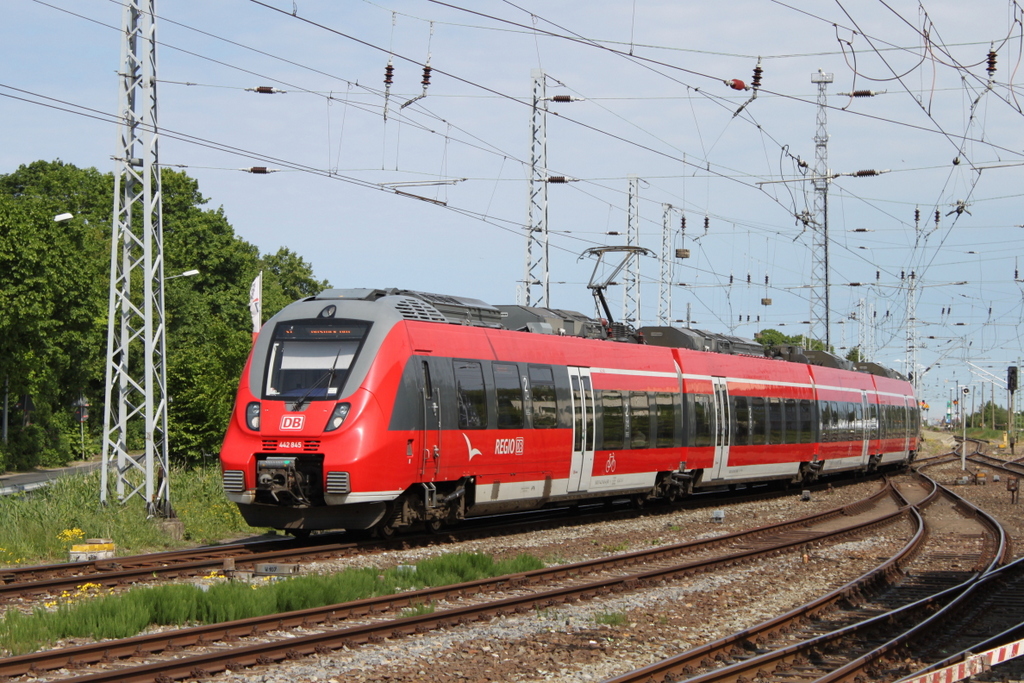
611, 618
42, 525
93, 613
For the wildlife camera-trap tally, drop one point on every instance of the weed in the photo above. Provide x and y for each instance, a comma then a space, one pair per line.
611, 619
418, 610
617, 548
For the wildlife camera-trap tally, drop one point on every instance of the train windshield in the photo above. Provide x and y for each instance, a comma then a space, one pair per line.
310, 359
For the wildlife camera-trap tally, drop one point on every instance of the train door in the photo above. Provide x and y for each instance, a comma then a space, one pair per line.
866, 432
582, 429
430, 463
721, 426
907, 411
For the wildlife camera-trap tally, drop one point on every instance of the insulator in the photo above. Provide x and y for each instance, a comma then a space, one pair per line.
757, 76
557, 179
869, 172
878, 275
863, 93
991, 69
389, 73
748, 278
917, 215
562, 98
903, 275
426, 76
913, 275
938, 216
613, 232
736, 84
740, 318
259, 169
682, 223
265, 90
707, 223
765, 280
730, 278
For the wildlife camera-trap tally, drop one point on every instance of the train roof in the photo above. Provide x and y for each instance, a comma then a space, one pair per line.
458, 310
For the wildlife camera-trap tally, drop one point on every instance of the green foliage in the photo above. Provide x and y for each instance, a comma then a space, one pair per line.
611, 618
772, 337
35, 524
54, 281
81, 614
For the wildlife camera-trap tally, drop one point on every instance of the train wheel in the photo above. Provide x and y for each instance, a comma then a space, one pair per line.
639, 501
385, 531
435, 526
301, 534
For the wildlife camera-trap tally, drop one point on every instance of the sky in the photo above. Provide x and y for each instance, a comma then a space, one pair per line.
427, 188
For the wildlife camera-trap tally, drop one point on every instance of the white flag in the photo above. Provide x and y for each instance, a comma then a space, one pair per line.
256, 302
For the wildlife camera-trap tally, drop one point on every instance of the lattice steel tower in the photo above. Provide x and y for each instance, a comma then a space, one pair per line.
537, 202
136, 377
631, 293
666, 263
820, 309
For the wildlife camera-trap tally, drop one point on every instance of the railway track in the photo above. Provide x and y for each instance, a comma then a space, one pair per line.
41, 580
576, 582
861, 636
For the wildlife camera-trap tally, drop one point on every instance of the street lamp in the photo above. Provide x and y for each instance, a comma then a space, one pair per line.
187, 273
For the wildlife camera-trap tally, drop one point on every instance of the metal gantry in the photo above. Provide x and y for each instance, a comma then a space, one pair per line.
136, 377
820, 313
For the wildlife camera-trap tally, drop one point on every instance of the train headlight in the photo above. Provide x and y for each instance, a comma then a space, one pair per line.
252, 416
337, 417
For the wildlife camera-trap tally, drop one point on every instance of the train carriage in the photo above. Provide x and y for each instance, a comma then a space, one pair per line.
382, 409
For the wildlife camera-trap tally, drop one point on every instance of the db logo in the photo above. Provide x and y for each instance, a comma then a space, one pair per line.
292, 422
609, 465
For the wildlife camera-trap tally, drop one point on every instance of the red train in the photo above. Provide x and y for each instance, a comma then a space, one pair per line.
381, 409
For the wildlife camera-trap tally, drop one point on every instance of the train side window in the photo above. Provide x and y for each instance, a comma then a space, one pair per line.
837, 422
775, 423
639, 420
806, 422
542, 394
704, 421
508, 389
758, 422
741, 418
791, 434
469, 390
613, 420
666, 408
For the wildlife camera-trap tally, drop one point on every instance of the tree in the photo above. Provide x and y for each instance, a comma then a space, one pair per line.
52, 294
54, 283
772, 337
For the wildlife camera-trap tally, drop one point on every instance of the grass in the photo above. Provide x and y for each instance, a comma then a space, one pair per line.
42, 525
611, 618
95, 613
